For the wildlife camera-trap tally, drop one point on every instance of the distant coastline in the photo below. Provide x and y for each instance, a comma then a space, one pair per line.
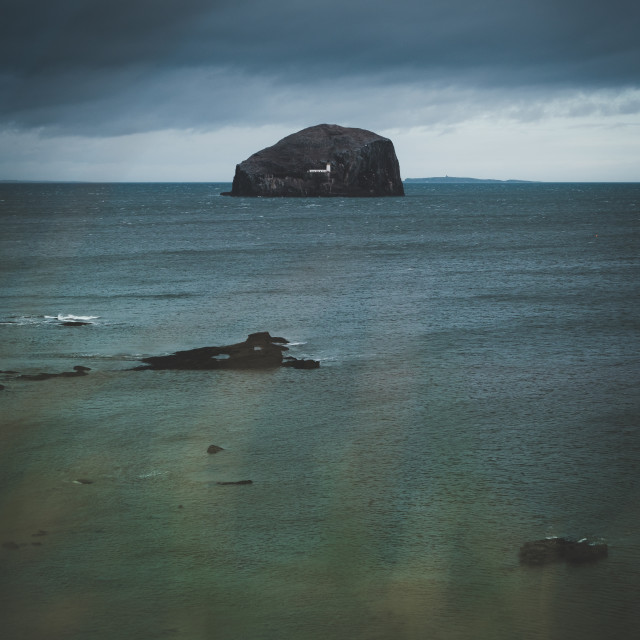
454, 180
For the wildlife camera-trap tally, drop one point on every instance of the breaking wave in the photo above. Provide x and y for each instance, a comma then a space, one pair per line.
71, 318
21, 320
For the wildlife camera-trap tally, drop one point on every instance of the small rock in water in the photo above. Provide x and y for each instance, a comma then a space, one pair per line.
237, 482
78, 370
300, 364
214, 448
562, 549
83, 481
10, 545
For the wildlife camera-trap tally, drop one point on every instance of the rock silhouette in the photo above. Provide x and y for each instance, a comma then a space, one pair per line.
324, 160
78, 371
561, 549
259, 351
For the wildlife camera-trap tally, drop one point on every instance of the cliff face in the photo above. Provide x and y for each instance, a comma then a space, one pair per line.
325, 160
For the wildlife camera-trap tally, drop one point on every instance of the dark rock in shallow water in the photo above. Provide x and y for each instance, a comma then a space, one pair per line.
258, 351
236, 482
74, 323
78, 371
300, 363
325, 160
11, 545
214, 448
562, 549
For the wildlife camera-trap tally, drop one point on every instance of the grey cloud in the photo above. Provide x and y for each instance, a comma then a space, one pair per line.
120, 66
584, 39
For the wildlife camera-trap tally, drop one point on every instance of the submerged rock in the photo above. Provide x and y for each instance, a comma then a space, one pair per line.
236, 482
214, 448
562, 549
324, 160
10, 544
258, 351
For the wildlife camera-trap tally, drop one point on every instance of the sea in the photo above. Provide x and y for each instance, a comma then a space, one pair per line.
478, 388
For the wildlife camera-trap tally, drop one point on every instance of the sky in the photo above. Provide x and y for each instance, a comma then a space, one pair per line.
183, 90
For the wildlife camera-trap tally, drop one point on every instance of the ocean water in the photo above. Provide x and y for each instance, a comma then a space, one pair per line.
478, 388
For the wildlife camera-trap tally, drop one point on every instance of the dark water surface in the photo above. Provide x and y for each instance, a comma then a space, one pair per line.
478, 388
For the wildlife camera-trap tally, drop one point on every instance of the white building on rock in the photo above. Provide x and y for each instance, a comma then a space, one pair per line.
327, 170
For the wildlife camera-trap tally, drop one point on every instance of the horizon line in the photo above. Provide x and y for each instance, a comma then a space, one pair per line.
445, 179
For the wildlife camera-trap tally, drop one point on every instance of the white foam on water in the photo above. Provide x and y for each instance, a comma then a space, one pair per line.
152, 474
70, 317
21, 320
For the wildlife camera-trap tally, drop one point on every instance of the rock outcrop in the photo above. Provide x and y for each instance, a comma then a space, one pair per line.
324, 160
78, 371
258, 351
562, 549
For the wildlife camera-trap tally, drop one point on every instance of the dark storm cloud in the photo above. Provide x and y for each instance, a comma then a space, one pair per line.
142, 64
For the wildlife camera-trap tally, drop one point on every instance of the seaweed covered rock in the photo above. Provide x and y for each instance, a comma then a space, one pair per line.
561, 549
324, 160
259, 351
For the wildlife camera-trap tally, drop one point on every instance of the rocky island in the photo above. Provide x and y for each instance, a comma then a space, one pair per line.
326, 160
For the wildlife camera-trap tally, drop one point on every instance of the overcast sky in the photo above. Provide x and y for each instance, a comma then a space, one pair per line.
185, 89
